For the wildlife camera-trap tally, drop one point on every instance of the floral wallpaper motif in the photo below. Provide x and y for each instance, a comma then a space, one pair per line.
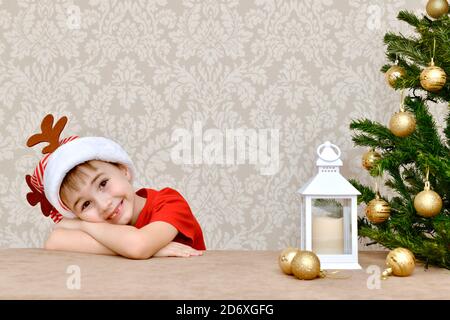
136, 71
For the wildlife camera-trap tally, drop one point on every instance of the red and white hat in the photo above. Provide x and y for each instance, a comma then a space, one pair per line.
60, 157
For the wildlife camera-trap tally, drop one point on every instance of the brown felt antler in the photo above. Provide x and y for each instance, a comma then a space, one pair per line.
49, 134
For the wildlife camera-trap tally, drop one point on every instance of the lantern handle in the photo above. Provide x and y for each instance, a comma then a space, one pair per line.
328, 144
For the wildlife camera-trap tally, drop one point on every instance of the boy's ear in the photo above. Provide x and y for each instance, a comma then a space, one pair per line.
125, 170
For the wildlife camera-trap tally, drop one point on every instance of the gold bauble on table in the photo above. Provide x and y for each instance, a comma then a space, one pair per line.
400, 262
285, 259
378, 210
369, 159
427, 202
437, 8
393, 73
306, 265
433, 78
402, 124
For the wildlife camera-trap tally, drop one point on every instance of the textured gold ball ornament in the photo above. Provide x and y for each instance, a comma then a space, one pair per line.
402, 124
437, 8
427, 202
401, 262
378, 210
306, 265
393, 74
432, 78
369, 158
285, 259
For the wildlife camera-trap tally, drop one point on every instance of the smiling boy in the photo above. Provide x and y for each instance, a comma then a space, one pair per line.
85, 185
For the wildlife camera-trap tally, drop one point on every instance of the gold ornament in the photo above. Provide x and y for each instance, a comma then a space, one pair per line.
437, 8
400, 262
369, 159
306, 265
433, 78
427, 202
402, 123
393, 74
378, 210
285, 259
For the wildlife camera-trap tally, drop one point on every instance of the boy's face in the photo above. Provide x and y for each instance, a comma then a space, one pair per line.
106, 196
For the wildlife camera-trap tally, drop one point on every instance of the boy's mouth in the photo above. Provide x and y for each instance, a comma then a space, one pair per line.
117, 211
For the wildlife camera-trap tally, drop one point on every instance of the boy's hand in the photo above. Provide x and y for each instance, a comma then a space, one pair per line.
176, 249
67, 223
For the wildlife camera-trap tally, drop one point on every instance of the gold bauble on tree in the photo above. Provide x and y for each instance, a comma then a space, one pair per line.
306, 265
433, 78
402, 124
285, 259
378, 210
427, 202
369, 158
437, 8
401, 262
393, 74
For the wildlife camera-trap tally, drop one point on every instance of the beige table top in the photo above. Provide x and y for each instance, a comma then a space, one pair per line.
221, 275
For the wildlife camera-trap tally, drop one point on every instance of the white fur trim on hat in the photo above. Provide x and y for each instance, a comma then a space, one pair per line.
73, 153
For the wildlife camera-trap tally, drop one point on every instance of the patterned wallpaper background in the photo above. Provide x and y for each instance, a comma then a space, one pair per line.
138, 71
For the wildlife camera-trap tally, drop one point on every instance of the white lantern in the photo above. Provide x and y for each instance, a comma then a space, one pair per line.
329, 213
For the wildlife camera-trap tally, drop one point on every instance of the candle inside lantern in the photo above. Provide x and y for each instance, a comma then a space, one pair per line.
327, 235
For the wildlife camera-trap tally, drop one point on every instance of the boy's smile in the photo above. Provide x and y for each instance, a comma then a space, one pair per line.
117, 211
106, 195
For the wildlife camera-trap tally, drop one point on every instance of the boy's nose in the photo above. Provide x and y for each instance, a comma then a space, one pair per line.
106, 206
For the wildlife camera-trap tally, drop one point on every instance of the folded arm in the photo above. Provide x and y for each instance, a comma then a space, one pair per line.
129, 241
155, 239
75, 240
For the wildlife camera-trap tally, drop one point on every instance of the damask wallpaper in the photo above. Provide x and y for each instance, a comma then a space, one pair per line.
172, 80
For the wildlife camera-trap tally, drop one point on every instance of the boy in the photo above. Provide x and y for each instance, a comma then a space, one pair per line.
88, 181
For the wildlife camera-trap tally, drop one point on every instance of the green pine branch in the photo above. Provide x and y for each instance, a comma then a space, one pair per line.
426, 250
410, 18
415, 53
400, 46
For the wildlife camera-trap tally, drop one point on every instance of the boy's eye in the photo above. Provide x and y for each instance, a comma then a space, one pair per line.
103, 183
84, 205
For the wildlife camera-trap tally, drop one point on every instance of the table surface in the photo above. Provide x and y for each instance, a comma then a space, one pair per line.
221, 275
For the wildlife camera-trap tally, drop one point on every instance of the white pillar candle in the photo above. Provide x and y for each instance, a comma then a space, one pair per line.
327, 235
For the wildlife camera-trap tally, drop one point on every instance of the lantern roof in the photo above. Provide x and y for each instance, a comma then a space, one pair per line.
328, 181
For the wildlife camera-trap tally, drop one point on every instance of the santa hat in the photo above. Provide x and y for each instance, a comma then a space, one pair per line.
60, 157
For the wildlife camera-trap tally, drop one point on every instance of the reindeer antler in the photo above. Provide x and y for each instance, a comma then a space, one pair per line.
35, 196
49, 134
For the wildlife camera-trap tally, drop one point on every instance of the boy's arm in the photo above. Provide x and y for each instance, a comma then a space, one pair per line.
75, 240
80, 241
129, 241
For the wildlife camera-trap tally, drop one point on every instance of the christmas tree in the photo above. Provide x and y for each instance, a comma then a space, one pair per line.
409, 155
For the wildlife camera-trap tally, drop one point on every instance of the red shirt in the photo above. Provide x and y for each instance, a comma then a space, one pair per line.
169, 206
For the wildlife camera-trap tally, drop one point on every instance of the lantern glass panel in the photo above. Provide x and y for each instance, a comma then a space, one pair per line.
331, 226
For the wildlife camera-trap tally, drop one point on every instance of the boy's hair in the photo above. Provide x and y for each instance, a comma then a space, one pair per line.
77, 176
